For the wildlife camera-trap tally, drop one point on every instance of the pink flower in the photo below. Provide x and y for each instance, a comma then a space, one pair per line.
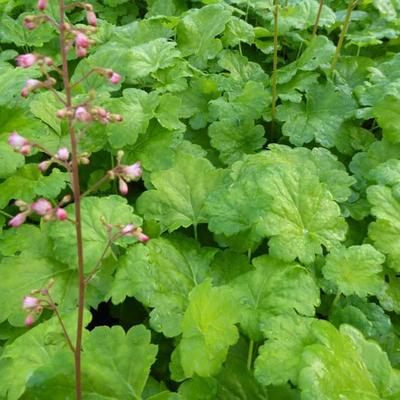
30, 84
115, 78
42, 4
142, 237
29, 23
123, 187
30, 303
62, 154
61, 214
29, 320
18, 220
132, 172
81, 114
91, 18
81, 52
41, 207
26, 149
26, 60
44, 165
128, 229
81, 40
16, 141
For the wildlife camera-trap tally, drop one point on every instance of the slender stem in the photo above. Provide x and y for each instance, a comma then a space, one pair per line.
102, 180
250, 354
97, 267
195, 230
321, 5
55, 309
346, 24
77, 200
6, 214
275, 61
81, 79
249, 254
336, 299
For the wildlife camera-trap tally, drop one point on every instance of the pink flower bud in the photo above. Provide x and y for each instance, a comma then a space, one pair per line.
48, 61
123, 187
115, 78
63, 113
26, 150
29, 23
30, 303
128, 229
91, 18
142, 237
41, 207
29, 320
80, 51
16, 141
44, 165
42, 4
81, 40
61, 214
26, 60
18, 220
62, 154
132, 172
30, 84
81, 114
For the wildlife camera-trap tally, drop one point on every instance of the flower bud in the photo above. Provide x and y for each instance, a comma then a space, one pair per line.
142, 237
128, 229
123, 187
18, 220
26, 60
84, 160
42, 4
116, 118
61, 214
29, 320
41, 207
44, 165
81, 40
48, 61
80, 52
16, 141
30, 23
30, 84
81, 114
21, 205
115, 78
30, 303
63, 113
91, 18
132, 172
26, 150
62, 154
66, 199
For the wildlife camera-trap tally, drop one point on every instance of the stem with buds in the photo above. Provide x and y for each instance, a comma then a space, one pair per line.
77, 200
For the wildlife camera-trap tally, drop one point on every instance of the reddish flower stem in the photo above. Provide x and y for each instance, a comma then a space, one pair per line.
321, 5
77, 200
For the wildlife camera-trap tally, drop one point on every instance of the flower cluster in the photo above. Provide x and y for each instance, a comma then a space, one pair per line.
41, 207
20, 144
85, 113
132, 230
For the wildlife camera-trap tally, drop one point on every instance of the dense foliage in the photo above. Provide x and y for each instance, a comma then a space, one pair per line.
272, 268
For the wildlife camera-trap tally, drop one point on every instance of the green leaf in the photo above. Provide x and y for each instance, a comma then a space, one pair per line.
45, 106
390, 298
96, 212
10, 161
31, 351
274, 287
28, 183
161, 275
320, 118
168, 112
180, 193
344, 372
386, 230
233, 138
208, 330
236, 31
138, 108
109, 369
355, 270
197, 30
279, 357
386, 114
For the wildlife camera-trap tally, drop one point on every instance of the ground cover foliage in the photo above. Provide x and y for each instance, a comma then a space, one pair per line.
272, 268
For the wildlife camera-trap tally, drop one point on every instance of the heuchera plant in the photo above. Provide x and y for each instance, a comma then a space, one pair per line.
73, 112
